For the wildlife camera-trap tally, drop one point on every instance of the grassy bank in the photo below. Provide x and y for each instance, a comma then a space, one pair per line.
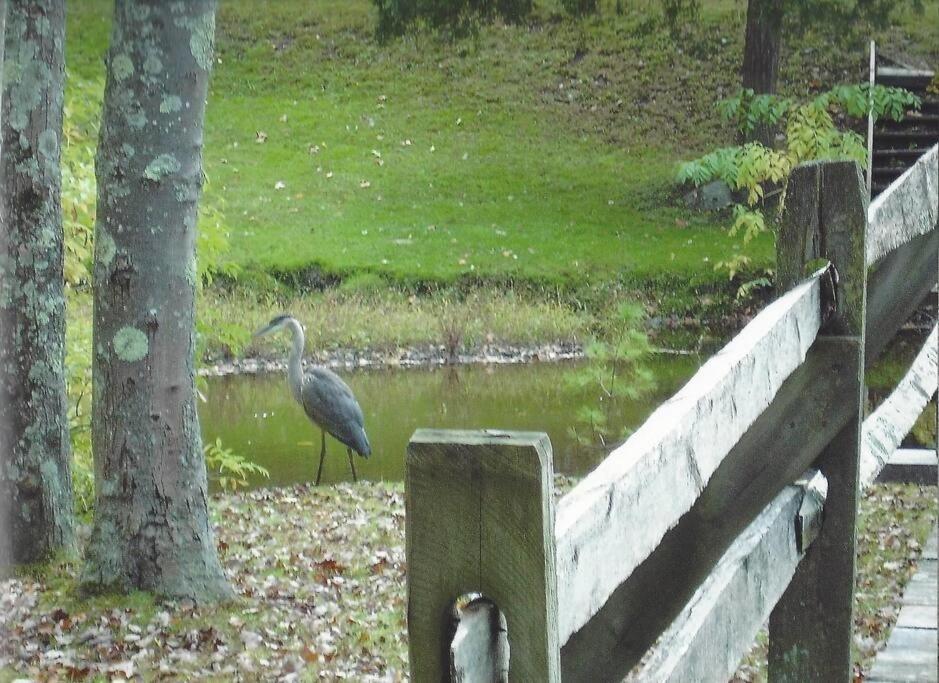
320, 580
387, 321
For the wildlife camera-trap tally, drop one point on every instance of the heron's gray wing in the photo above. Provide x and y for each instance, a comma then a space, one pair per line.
330, 403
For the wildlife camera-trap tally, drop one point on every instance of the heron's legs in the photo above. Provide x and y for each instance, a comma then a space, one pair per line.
319, 471
352, 464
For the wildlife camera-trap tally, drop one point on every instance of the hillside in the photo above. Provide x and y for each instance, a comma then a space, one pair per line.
539, 155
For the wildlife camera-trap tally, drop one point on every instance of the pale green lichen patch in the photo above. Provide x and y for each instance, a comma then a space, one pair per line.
130, 344
128, 150
201, 37
161, 166
191, 271
119, 190
136, 119
48, 144
187, 192
140, 12
43, 26
152, 65
122, 67
28, 86
170, 103
106, 247
29, 168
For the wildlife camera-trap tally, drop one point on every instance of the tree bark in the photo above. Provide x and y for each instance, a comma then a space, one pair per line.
761, 55
151, 527
35, 481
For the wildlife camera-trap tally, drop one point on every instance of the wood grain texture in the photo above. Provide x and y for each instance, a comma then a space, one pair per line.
825, 216
906, 209
785, 440
811, 627
716, 628
610, 522
896, 287
480, 520
886, 427
799, 240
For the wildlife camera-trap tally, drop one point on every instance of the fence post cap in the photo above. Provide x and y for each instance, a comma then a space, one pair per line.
481, 437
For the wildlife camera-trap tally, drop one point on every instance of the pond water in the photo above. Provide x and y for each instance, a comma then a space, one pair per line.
255, 415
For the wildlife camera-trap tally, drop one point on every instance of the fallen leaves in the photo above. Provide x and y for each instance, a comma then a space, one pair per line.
320, 574
890, 516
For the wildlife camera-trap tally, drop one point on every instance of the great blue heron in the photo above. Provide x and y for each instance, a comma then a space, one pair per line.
324, 397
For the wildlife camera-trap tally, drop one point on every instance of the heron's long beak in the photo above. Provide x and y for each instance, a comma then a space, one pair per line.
275, 324
267, 329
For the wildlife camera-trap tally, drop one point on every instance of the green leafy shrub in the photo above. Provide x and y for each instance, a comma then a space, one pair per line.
212, 246
756, 171
78, 389
614, 371
79, 191
459, 17
231, 470
747, 109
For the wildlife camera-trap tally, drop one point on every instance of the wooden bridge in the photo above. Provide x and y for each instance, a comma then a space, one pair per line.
735, 502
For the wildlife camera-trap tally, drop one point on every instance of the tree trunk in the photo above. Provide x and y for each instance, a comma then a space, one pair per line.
761, 55
151, 527
35, 482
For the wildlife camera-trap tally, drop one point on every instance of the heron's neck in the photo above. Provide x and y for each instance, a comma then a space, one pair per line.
295, 364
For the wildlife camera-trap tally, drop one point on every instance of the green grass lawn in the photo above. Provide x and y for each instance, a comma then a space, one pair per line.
428, 162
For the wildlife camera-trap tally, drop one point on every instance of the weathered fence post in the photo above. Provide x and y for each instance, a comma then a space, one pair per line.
825, 216
480, 519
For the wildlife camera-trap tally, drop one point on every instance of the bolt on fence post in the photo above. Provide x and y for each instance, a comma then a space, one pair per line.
480, 519
825, 215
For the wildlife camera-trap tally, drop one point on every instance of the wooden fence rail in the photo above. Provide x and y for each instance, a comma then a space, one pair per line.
666, 464
664, 561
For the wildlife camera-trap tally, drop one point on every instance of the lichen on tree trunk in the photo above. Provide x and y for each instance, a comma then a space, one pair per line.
151, 527
35, 481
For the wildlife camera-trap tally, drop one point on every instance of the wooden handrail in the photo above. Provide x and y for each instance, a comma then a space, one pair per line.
665, 465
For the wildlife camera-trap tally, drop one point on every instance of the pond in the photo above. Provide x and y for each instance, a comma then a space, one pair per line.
255, 415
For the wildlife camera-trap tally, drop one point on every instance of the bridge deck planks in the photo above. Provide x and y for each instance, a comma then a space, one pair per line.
912, 652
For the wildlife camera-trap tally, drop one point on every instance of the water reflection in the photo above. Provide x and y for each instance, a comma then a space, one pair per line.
255, 415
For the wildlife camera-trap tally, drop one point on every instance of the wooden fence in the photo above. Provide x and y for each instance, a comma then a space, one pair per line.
734, 503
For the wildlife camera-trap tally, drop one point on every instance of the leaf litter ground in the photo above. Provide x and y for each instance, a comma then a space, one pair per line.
321, 579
